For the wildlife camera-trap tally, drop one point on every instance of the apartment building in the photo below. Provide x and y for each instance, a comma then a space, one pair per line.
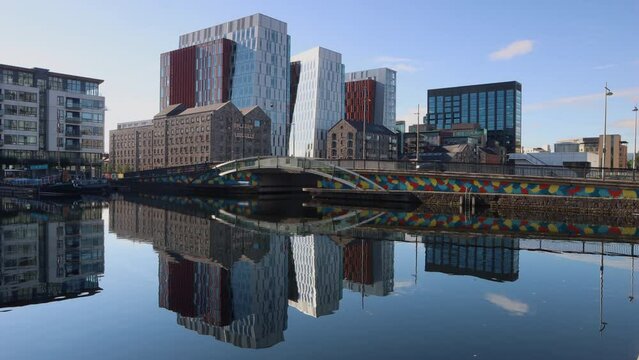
50, 118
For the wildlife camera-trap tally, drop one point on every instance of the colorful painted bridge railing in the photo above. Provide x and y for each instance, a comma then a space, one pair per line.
463, 184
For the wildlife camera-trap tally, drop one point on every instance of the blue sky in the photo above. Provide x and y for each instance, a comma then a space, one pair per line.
561, 51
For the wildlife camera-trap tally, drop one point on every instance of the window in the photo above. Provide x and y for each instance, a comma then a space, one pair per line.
60, 100
73, 86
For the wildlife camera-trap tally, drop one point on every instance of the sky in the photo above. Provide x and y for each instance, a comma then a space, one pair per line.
563, 52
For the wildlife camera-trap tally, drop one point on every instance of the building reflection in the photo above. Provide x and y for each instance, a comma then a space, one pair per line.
483, 256
368, 267
221, 281
49, 252
317, 272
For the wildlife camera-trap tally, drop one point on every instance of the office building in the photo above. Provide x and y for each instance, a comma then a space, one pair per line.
180, 136
495, 107
50, 118
616, 149
371, 95
319, 101
245, 61
616, 152
346, 141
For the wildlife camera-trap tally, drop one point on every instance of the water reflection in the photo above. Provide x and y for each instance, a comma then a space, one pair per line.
49, 252
231, 269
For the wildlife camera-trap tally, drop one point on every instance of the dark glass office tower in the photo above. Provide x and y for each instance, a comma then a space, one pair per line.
495, 107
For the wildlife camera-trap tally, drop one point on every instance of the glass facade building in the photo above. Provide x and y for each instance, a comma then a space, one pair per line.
319, 101
255, 70
496, 107
383, 99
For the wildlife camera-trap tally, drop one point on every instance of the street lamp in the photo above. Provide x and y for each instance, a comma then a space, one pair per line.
417, 137
603, 166
366, 104
634, 157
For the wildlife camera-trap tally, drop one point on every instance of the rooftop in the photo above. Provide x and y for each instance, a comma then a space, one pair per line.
35, 69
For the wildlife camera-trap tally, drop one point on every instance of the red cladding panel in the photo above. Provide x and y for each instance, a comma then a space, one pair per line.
357, 95
358, 262
182, 77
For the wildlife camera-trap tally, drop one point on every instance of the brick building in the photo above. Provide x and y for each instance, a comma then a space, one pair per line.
346, 140
179, 136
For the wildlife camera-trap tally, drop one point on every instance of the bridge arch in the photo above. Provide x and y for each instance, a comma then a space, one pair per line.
320, 168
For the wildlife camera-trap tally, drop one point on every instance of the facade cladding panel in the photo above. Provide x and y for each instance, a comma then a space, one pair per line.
496, 107
358, 94
182, 77
358, 262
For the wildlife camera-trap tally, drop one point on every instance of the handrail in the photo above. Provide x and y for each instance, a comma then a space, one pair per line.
318, 167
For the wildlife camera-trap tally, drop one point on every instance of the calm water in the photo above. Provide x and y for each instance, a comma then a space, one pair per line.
174, 278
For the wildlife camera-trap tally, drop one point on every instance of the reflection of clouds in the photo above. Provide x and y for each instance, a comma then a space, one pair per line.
613, 262
514, 307
401, 284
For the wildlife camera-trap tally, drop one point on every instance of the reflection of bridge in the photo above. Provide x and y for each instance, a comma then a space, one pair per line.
332, 225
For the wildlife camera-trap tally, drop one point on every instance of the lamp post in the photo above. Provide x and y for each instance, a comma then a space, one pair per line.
634, 154
366, 104
293, 136
603, 166
417, 137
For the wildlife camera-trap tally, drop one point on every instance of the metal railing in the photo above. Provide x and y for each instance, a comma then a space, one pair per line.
348, 170
566, 172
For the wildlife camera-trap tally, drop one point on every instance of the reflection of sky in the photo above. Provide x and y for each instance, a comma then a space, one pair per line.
440, 317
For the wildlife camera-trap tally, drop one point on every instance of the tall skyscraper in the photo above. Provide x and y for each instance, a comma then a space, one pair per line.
245, 61
495, 107
50, 118
319, 100
376, 85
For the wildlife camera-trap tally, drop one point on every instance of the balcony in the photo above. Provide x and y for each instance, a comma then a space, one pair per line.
73, 106
72, 147
72, 134
73, 120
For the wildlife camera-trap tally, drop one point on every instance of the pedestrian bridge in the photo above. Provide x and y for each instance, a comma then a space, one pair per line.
390, 178
243, 172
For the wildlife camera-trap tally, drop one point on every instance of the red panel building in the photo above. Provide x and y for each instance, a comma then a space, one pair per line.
360, 100
197, 75
182, 77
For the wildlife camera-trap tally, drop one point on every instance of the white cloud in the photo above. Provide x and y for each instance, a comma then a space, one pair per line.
401, 67
399, 64
624, 124
630, 93
603, 67
517, 48
514, 307
392, 59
